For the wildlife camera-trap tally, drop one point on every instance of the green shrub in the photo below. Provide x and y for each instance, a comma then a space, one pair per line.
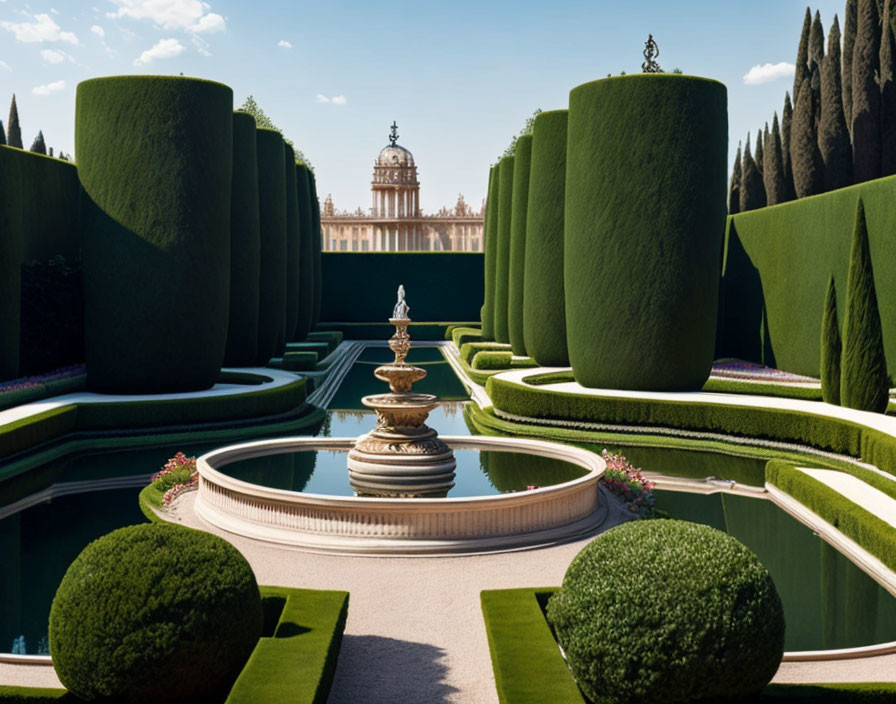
469, 350
490, 249
645, 201
462, 335
293, 243
306, 255
11, 248
245, 246
272, 216
155, 159
831, 346
544, 308
668, 611
300, 361
863, 379
517, 268
492, 360
152, 613
502, 251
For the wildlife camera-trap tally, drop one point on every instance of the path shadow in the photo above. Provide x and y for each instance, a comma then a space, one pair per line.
378, 670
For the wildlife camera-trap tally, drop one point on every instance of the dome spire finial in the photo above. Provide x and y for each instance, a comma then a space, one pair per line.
393, 135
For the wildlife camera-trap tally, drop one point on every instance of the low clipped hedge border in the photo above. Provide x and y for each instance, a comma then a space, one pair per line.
383, 330
529, 668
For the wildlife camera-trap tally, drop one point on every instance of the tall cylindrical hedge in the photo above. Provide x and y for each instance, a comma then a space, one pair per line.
245, 245
645, 216
517, 268
155, 159
293, 246
489, 247
317, 244
306, 255
544, 308
272, 215
502, 257
11, 247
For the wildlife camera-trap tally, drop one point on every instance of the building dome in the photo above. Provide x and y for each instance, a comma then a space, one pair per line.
395, 155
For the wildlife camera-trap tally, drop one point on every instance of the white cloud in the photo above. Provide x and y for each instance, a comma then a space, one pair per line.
53, 56
321, 98
339, 100
163, 49
43, 29
54, 10
5, 65
98, 31
285, 44
48, 88
765, 73
187, 15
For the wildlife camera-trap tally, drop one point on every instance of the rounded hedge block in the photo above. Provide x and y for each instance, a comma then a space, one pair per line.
663, 612
293, 245
245, 245
317, 245
489, 247
155, 613
306, 255
502, 256
272, 215
644, 221
11, 249
544, 308
155, 159
517, 268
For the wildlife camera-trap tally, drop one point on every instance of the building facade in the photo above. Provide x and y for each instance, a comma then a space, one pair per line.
395, 221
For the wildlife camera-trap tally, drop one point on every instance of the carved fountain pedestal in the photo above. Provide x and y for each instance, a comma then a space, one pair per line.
402, 457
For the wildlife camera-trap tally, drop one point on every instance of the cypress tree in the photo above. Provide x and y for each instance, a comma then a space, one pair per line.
802, 55
38, 146
833, 136
786, 125
887, 94
863, 381
816, 40
849, 42
752, 192
13, 131
2, 134
773, 173
759, 153
866, 94
734, 186
831, 346
808, 168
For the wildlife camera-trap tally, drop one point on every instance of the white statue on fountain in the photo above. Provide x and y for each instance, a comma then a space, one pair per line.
401, 310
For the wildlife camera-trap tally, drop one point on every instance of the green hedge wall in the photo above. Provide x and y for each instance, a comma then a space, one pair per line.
362, 286
773, 313
272, 212
502, 257
544, 308
490, 247
517, 268
50, 218
316, 252
645, 208
11, 248
155, 159
306, 255
293, 244
245, 245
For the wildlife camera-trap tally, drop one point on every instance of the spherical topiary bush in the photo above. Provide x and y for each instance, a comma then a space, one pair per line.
155, 613
664, 611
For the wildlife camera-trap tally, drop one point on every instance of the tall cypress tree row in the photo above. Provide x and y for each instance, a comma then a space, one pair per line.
734, 185
786, 126
849, 42
866, 94
752, 192
863, 380
808, 168
887, 94
2, 134
491, 251
831, 347
833, 136
13, 131
759, 154
38, 146
802, 55
773, 173
816, 40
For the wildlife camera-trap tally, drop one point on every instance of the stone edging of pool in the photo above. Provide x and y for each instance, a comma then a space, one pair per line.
366, 525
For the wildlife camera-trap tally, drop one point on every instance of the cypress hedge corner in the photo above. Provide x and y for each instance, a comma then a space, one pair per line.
245, 245
272, 215
292, 243
490, 248
11, 245
544, 310
306, 255
517, 266
155, 159
502, 249
644, 219
831, 347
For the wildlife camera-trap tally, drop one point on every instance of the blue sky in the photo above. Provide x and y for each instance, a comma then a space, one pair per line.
460, 78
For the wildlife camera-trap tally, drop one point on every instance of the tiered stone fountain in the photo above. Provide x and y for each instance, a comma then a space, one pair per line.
402, 457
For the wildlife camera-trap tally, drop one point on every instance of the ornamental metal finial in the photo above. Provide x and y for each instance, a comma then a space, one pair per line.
393, 135
651, 52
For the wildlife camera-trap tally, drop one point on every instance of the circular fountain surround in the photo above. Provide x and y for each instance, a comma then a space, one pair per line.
362, 524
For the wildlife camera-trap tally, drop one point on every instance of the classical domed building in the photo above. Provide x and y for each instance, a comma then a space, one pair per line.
395, 222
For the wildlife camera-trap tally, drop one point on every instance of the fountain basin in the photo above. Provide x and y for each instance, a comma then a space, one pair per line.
360, 524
